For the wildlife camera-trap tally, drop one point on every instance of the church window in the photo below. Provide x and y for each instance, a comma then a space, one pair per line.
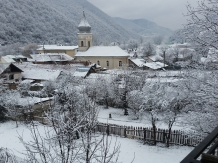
120, 64
107, 62
82, 44
98, 62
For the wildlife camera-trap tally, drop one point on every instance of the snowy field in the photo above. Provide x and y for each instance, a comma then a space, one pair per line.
129, 148
118, 118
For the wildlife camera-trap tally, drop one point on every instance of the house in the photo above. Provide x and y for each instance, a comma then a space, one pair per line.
108, 57
13, 59
51, 58
142, 64
10, 73
69, 50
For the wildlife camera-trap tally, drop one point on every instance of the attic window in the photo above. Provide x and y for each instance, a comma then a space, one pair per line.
107, 62
120, 64
11, 76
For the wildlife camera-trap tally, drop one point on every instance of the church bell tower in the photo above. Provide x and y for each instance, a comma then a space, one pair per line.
84, 35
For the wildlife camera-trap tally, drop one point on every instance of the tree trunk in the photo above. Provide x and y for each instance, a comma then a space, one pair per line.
154, 131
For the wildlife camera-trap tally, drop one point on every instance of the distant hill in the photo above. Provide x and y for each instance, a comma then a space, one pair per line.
144, 27
55, 21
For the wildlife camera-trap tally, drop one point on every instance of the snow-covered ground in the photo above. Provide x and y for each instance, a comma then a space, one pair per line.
129, 148
118, 118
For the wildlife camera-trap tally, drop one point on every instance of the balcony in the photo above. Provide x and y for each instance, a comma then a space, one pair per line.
206, 151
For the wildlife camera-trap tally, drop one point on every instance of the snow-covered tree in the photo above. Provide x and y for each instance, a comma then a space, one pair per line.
201, 28
72, 115
148, 49
201, 89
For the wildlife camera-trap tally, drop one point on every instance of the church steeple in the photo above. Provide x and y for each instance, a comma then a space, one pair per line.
84, 35
84, 26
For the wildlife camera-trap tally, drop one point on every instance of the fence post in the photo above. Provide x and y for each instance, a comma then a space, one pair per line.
144, 135
164, 136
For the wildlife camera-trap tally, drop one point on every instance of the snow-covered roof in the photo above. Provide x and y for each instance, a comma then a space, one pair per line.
4, 66
103, 51
41, 74
84, 23
31, 100
138, 61
10, 58
57, 47
82, 71
84, 26
68, 68
10, 66
51, 57
155, 65
152, 65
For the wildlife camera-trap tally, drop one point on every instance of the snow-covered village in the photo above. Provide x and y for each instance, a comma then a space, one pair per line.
92, 81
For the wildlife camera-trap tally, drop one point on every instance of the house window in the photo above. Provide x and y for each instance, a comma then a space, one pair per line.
11, 76
107, 62
89, 44
120, 64
98, 62
82, 43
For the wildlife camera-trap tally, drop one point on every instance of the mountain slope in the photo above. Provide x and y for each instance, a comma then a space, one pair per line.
55, 21
144, 27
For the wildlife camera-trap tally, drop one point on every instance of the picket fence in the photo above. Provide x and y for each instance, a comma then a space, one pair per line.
177, 137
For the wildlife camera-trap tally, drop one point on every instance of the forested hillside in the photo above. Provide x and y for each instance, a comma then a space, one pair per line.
55, 21
144, 27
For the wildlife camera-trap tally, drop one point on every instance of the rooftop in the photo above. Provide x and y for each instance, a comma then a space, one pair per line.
57, 47
82, 71
10, 58
51, 57
4, 66
152, 65
84, 26
104, 51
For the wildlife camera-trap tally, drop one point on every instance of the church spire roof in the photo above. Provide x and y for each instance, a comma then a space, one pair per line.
84, 26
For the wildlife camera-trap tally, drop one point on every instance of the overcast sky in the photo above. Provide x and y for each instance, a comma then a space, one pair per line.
167, 13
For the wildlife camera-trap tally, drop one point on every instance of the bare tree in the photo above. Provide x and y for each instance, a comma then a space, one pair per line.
29, 49
6, 156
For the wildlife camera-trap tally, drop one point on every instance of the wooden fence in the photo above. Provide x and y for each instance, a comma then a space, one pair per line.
177, 137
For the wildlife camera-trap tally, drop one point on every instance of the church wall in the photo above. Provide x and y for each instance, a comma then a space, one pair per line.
71, 53
113, 61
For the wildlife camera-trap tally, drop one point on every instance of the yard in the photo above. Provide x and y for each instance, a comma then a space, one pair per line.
130, 149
